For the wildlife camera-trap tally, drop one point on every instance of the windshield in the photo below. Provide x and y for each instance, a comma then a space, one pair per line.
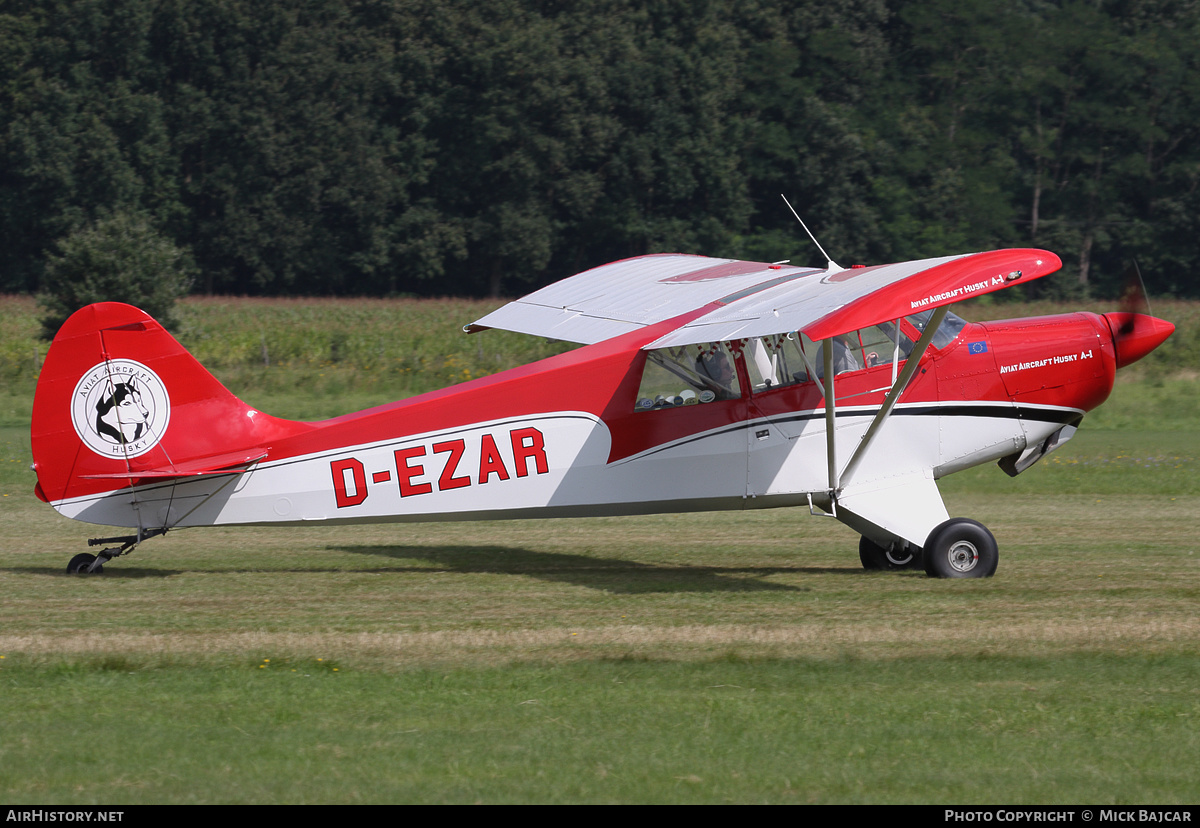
950, 328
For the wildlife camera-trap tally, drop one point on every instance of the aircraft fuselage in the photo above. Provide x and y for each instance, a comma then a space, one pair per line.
564, 438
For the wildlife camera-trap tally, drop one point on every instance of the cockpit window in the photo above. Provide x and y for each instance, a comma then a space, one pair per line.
774, 361
688, 375
786, 359
865, 348
950, 328
698, 374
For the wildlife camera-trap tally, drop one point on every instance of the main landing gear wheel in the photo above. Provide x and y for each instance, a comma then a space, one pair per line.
899, 556
961, 548
80, 564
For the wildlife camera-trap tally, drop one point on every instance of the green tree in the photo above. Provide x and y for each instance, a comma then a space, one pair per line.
1071, 126
383, 146
299, 137
946, 184
121, 258
82, 129
811, 76
668, 177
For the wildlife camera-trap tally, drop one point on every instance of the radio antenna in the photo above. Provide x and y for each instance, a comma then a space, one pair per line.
831, 265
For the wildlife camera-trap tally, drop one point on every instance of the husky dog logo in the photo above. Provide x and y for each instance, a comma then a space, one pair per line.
120, 409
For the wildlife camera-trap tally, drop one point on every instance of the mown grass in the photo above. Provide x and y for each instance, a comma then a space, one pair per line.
726, 657
1016, 730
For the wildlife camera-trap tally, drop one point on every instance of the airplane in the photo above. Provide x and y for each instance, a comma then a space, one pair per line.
701, 384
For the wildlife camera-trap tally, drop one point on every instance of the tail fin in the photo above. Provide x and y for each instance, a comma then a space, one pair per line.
120, 400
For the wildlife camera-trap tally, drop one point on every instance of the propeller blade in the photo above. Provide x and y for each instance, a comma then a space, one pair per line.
1133, 298
1135, 332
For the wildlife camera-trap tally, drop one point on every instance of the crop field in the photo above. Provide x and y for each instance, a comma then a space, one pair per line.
721, 657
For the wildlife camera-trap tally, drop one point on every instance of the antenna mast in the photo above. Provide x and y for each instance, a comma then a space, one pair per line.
830, 265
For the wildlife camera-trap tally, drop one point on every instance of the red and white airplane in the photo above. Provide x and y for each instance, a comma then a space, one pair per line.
704, 384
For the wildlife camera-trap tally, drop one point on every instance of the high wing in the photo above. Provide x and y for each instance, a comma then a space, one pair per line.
732, 299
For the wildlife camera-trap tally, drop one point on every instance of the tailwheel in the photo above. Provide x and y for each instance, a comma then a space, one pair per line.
899, 555
961, 548
85, 564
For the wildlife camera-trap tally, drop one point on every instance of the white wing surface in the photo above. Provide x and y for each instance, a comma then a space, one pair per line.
627, 295
731, 299
793, 307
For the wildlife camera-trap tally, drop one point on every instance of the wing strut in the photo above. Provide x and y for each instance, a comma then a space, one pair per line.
889, 402
830, 417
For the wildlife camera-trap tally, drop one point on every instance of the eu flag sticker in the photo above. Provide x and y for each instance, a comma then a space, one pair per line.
977, 347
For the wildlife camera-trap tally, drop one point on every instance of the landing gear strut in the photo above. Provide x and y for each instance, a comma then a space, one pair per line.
899, 555
87, 564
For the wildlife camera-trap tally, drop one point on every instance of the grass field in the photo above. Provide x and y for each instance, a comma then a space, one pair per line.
703, 658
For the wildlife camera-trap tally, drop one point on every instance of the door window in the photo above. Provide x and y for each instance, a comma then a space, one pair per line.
688, 375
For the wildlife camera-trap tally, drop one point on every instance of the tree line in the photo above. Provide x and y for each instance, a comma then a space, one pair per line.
382, 147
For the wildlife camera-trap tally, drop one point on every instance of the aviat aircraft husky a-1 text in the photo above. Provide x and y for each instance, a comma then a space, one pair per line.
703, 384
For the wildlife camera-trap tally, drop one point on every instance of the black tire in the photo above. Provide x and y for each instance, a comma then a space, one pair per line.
80, 563
875, 558
961, 548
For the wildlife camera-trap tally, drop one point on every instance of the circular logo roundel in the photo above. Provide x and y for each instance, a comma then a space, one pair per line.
120, 409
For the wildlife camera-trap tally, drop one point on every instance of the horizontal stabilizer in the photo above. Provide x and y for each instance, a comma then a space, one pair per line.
232, 463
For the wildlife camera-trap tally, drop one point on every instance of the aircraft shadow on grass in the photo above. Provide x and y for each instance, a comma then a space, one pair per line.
124, 573
606, 574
